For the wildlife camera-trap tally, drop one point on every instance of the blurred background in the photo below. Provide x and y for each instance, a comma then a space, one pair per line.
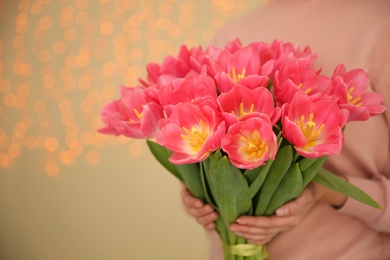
67, 192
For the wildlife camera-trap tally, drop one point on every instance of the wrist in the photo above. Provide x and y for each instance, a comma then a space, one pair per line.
326, 195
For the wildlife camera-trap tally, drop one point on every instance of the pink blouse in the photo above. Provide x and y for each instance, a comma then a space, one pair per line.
356, 33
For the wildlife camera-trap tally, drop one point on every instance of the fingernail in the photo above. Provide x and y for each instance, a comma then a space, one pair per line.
209, 208
282, 212
234, 229
240, 221
198, 204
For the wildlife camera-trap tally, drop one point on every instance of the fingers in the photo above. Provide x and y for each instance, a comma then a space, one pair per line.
208, 221
256, 229
254, 234
248, 226
299, 206
205, 216
203, 213
189, 200
261, 229
269, 223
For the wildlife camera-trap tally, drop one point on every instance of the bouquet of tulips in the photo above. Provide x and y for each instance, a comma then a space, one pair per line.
245, 128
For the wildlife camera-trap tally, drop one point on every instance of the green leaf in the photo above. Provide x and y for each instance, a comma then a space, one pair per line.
338, 184
191, 176
311, 171
289, 188
204, 167
214, 158
260, 178
162, 155
251, 175
276, 173
229, 189
305, 163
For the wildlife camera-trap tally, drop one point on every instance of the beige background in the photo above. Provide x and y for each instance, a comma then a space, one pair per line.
67, 192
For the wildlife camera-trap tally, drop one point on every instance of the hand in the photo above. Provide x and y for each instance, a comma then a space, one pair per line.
203, 213
261, 229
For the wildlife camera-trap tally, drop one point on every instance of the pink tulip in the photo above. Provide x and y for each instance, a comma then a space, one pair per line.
351, 89
241, 101
133, 115
186, 90
187, 62
109, 118
295, 77
250, 143
284, 51
171, 68
243, 67
198, 58
266, 56
263, 51
192, 132
233, 46
314, 128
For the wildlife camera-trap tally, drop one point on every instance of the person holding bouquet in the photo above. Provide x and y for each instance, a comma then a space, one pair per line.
320, 223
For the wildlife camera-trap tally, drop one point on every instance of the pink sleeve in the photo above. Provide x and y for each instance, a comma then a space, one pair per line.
378, 187
379, 67
379, 190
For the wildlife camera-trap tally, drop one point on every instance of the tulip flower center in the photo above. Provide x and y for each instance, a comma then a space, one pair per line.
255, 147
307, 91
195, 137
310, 130
236, 77
351, 99
242, 112
138, 115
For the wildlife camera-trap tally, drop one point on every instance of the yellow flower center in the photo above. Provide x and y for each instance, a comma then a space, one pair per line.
195, 137
236, 77
137, 113
255, 147
351, 99
242, 112
307, 90
309, 130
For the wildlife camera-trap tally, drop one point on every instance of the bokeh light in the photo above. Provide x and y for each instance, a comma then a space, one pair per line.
62, 61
